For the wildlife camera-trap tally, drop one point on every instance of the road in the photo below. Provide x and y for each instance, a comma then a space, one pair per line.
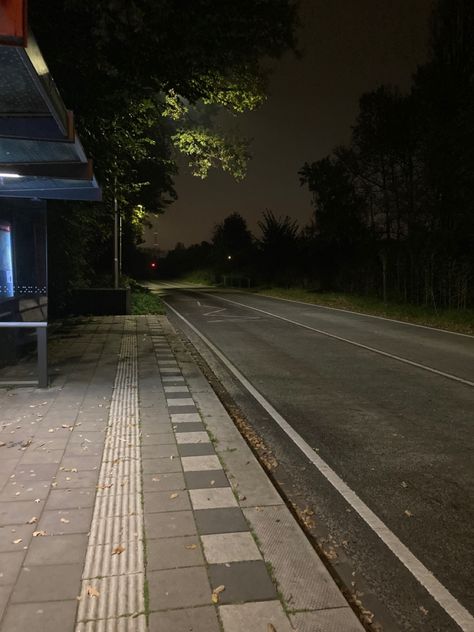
371, 422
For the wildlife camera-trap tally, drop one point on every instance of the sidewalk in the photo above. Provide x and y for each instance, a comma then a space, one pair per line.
130, 502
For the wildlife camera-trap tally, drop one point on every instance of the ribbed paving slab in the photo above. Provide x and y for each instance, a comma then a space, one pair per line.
113, 579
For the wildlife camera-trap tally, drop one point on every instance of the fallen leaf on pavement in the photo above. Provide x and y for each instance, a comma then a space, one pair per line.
17, 541
173, 496
38, 533
271, 628
65, 520
32, 520
408, 513
216, 592
403, 484
191, 547
424, 610
118, 550
92, 592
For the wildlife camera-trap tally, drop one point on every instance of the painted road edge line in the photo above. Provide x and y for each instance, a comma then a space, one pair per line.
425, 577
424, 367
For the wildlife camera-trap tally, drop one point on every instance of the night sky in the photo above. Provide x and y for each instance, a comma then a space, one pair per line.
349, 47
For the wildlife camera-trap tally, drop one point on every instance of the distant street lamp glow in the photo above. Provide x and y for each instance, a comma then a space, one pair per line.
229, 257
10, 175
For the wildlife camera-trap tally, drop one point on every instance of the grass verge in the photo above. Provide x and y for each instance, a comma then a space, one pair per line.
461, 321
144, 302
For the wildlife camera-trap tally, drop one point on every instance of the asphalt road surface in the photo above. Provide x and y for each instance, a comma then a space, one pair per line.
378, 441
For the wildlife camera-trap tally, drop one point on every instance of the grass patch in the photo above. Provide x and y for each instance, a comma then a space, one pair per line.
461, 321
144, 302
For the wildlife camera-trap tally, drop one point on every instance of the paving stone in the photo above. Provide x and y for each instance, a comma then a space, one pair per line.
80, 436
192, 437
331, 620
8, 534
171, 378
4, 596
160, 451
230, 547
178, 588
227, 520
70, 499
41, 456
191, 426
173, 553
180, 410
53, 521
62, 583
83, 449
176, 389
243, 581
10, 564
163, 482
156, 427
18, 512
162, 438
40, 617
200, 619
201, 480
7, 466
25, 490
186, 418
256, 617
87, 478
82, 463
169, 524
161, 465
212, 498
196, 449
156, 502
200, 463
39, 472
65, 549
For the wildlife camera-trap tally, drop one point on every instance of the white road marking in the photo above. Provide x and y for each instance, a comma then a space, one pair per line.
349, 311
355, 344
215, 311
425, 577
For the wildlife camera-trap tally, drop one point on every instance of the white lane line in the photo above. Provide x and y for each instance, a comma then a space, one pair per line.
350, 311
355, 344
447, 601
214, 311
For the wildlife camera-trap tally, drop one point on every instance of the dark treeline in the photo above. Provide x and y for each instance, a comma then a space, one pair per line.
393, 211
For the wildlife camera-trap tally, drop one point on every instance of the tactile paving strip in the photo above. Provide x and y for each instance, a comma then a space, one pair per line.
114, 573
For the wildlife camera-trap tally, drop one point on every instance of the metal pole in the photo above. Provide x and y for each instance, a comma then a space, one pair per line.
42, 341
116, 237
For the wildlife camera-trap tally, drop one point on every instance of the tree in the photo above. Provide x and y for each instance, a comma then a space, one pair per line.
137, 72
232, 244
278, 247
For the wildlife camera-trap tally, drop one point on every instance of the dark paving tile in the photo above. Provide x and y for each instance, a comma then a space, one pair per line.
25, 490
40, 617
195, 449
243, 581
87, 478
201, 480
179, 552
191, 426
81, 463
63, 582
176, 410
201, 619
228, 520
178, 588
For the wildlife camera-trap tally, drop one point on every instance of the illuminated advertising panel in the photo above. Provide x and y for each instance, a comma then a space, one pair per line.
6, 265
